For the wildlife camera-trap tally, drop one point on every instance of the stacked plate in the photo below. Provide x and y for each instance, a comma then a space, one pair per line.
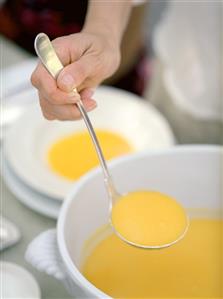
25, 168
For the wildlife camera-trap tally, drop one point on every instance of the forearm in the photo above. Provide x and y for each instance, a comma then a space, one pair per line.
109, 17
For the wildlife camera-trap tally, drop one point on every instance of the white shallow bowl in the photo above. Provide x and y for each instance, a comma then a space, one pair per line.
34, 200
17, 282
30, 137
192, 174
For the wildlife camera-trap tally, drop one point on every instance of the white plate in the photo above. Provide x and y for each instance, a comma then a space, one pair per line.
17, 282
17, 91
16, 78
13, 107
32, 199
28, 140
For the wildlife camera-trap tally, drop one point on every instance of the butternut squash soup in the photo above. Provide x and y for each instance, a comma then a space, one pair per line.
192, 268
149, 218
74, 155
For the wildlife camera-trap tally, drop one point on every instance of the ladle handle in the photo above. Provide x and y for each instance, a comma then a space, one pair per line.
50, 60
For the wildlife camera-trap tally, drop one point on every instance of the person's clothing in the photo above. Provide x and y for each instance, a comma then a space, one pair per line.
187, 128
22, 20
188, 42
186, 85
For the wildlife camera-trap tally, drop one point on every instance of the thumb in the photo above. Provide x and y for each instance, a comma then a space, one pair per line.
74, 74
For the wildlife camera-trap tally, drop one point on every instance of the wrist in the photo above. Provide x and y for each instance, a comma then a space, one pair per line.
100, 27
108, 18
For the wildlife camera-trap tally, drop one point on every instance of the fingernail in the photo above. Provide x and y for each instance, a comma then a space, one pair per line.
89, 93
73, 96
91, 105
68, 81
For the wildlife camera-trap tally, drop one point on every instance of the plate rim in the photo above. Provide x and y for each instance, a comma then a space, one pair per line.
19, 189
17, 268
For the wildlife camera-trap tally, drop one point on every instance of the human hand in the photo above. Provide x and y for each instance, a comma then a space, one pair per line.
88, 59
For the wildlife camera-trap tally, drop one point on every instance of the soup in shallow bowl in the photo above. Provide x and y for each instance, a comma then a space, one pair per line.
192, 175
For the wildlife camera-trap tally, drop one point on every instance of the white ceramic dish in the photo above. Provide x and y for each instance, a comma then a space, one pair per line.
36, 201
9, 233
17, 282
16, 78
17, 92
13, 107
192, 174
28, 140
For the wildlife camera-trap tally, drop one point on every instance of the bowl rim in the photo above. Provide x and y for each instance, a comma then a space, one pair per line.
71, 269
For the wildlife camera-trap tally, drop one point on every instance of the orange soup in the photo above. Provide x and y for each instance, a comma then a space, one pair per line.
192, 268
74, 155
149, 218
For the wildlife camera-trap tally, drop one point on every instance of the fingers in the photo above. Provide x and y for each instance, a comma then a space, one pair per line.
46, 85
70, 48
74, 74
87, 93
57, 98
48, 116
60, 92
64, 112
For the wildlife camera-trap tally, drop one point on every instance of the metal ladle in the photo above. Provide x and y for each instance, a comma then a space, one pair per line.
50, 60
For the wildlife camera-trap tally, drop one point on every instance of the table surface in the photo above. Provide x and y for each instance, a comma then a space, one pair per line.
29, 222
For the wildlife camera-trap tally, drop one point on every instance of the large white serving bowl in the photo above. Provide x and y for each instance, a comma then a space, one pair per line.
192, 174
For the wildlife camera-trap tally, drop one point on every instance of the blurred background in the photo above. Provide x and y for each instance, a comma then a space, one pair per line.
186, 38
171, 55
171, 65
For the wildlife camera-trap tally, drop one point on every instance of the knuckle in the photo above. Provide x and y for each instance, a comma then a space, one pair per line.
80, 73
42, 103
33, 79
60, 46
63, 116
57, 42
74, 113
36, 75
47, 115
45, 110
81, 70
53, 96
